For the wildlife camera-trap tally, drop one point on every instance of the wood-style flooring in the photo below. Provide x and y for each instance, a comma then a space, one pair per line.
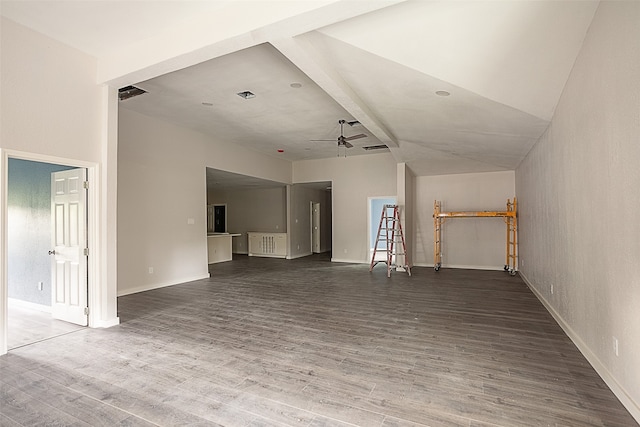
27, 326
307, 342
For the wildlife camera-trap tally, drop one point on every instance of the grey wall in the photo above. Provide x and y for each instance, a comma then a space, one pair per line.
466, 242
579, 199
29, 231
253, 209
301, 197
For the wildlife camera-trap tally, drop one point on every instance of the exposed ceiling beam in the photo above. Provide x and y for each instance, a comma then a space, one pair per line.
301, 52
222, 31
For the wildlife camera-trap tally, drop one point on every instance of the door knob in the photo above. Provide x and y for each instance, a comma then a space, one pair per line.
53, 252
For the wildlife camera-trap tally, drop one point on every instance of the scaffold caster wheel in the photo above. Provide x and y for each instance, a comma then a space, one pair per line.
436, 267
506, 268
512, 272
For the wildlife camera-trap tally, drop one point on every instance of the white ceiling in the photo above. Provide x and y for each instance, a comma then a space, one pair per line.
504, 63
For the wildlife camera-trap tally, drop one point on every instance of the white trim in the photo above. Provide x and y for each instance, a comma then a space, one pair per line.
370, 223
299, 255
13, 302
464, 266
106, 323
94, 297
350, 261
162, 285
617, 389
4, 292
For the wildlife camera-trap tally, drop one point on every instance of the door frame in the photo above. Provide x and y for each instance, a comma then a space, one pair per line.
311, 204
224, 205
94, 263
371, 222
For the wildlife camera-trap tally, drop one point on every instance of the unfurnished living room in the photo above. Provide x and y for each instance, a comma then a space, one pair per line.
320, 213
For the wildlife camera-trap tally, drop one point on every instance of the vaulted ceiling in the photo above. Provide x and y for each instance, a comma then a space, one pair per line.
447, 86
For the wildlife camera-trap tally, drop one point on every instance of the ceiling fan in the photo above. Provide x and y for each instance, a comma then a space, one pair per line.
343, 141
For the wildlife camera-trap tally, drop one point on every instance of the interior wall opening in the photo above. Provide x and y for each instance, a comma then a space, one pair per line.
30, 224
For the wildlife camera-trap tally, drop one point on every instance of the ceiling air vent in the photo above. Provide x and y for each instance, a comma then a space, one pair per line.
129, 92
375, 147
246, 94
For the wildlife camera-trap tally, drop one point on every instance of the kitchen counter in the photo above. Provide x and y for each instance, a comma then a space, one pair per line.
219, 247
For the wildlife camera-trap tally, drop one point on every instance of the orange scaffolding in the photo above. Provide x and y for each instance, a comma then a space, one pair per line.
510, 218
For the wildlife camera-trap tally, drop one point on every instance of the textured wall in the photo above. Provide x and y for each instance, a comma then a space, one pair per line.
579, 202
466, 242
29, 231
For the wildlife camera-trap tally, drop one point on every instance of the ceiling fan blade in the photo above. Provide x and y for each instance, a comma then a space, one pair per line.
322, 140
348, 144
358, 136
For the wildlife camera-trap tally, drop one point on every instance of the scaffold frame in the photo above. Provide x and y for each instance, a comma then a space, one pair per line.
510, 219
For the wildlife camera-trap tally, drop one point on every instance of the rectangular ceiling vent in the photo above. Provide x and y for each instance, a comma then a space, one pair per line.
375, 147
129, 92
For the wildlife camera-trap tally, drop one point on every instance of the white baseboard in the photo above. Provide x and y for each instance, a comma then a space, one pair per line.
464, 267
299, 255
105, 323
13, 302
627, 401
350, 261
161, 285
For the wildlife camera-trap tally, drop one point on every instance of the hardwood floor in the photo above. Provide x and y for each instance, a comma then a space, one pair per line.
27, 326
306, 342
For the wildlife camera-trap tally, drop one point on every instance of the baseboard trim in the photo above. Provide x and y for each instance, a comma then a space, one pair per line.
622, 395
349, 261
161, 285
299, 255
465, 267
29, 305
105, 323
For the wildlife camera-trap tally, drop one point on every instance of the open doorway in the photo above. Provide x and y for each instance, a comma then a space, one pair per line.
46, 250
376, 205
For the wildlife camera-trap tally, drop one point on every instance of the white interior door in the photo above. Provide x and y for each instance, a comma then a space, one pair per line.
315, 228
69, 241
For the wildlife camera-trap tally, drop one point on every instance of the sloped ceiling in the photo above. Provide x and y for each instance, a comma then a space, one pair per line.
503, 63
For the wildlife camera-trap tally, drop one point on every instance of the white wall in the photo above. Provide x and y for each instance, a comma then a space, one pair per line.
406, 202
466, 242
579, 198
354, 179
252, 209
161, 185
50, 101
53, 111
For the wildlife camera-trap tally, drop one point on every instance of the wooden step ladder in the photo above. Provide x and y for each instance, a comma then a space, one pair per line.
390, 232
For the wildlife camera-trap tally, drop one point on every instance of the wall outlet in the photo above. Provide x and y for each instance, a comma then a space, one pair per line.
150, 270
615, 346
345, 251
298, 247
551, 289
40, 286
191, 221
521, 262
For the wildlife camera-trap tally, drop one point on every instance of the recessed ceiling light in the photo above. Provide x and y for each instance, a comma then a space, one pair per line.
246, 94
207, 104
442, 93
296, 85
